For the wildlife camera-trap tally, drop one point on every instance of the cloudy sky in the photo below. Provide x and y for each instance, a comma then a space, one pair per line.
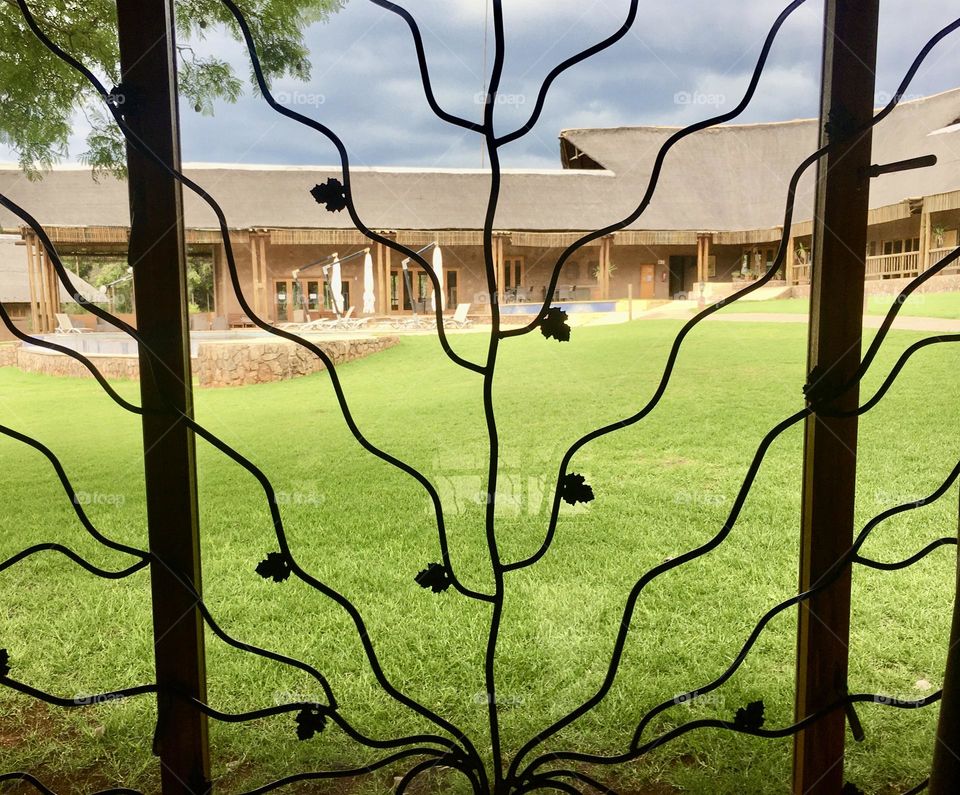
682, 61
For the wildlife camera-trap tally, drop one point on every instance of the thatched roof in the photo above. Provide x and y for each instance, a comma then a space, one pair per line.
15, 284
735, 176
724, 179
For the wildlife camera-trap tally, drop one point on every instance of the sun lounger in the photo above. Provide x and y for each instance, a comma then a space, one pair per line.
66, 326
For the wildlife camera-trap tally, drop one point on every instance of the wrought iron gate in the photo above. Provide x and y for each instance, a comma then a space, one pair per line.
144, 108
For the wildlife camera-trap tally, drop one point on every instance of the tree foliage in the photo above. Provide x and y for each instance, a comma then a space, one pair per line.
41, 95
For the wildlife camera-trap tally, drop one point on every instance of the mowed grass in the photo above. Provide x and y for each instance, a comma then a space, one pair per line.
942, 305
662, 487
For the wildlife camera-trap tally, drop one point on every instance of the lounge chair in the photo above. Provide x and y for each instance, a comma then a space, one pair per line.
66, 326
324, 323
459, 318
240, 320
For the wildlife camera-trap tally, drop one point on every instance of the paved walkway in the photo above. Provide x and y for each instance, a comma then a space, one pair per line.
869, 321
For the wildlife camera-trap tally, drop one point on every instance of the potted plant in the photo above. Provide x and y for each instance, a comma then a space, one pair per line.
938, 234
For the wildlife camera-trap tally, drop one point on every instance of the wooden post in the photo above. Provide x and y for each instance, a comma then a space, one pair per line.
836, 327
701, 259
47, 318
53, 288
946, 754
791, 259
157, 253
378, 269
925, 230
498, 261
220, 281
30, 243
269, 307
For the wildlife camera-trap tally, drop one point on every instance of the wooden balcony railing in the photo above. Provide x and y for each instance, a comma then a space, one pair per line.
935, 255
893, 266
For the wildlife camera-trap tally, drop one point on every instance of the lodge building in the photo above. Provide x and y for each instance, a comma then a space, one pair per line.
714, 221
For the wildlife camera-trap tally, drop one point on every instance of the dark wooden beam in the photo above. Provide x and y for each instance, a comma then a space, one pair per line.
836, 328
157, 253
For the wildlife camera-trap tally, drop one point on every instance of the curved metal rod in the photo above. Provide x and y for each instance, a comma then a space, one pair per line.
38, 785
52, 346
665, 377
319, 677
903, 564
235, 281
66, 551
891, 377
919, 788
47, 453
277, 520
331, 593
542, 783
211, 712
554, 775
830, 576
770, 734
493, 343
655, 177
77, 701
278, 526
407, 17
827, 579
679, 135
562, 67
655, 572
778, 261
350, 773
898, 303
348, 193
411, 775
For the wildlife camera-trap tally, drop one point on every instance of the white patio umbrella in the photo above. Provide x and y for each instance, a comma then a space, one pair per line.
336, 286
369, 298
438, 269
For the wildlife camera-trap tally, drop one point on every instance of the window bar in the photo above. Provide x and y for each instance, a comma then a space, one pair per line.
157, 253
836, 329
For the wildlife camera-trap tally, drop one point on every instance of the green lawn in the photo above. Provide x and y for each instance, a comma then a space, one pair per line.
663, 487
944, 305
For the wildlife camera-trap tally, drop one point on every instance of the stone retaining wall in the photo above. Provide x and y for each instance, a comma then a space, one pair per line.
237, 363
231, 363
31, 360
948, 283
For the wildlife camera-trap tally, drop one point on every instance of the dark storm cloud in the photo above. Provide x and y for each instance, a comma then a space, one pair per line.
681, 62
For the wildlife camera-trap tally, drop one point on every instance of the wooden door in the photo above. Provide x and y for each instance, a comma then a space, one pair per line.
647, 281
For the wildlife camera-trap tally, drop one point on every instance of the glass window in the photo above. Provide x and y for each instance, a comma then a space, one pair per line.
313, 295
450, 285
282, 299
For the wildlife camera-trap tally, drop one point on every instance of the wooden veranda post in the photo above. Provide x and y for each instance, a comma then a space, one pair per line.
836, 328
157, 252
